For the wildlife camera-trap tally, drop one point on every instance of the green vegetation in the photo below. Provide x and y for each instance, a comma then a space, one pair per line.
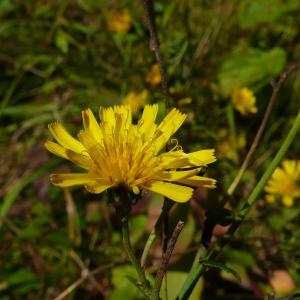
59, 57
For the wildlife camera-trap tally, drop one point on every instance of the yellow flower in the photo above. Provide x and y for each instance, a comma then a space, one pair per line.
244, 100
284, 183
226, 149
119, 21
153, 77
183, 101
116, 152
135, 100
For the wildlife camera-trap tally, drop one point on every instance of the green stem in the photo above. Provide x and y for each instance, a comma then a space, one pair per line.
155, 232
166, 287
202, 251
243, 209
145, 286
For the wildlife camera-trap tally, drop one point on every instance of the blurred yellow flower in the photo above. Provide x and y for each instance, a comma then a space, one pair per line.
284, 183
116, 152
153, 77
227, 150
176, 89
183, 101
119, 21
135, 100
244, 100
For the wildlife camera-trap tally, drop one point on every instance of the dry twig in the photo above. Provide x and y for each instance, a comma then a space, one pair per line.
166, 257
155, 47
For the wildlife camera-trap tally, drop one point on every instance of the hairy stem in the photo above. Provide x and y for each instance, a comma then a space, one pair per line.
166, 258
145, 286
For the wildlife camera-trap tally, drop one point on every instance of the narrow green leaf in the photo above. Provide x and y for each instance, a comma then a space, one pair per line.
12, 195
216, 265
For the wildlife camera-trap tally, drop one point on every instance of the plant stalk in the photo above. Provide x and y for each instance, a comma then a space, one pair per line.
145, 286
155, 231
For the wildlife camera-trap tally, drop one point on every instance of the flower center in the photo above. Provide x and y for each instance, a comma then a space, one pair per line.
129, 160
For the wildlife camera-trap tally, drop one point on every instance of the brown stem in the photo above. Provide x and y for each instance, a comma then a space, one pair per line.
166, 258
276, 87
154, 46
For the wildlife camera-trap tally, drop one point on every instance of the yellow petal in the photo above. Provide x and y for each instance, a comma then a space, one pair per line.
98, 186
172, 191
135, 190
70, 179
107, 116
298, 168
97, 152
87, 139
125, 113
120, 125
271, 188
176, 175
278, 175
135, 100
199, 181
290, 167
179, 159
287, 200
147, 122
56, 149
202, 157
168, 127
64, 138
175, 159
81, 160
90, 122
270, 198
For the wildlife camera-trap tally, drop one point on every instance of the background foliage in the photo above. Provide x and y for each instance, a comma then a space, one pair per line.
59, 57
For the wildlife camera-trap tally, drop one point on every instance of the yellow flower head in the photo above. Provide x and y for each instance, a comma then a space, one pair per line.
119, 21
244, 100
284, 183
153, 77
136, 100
116, 152
183, 101
226, 149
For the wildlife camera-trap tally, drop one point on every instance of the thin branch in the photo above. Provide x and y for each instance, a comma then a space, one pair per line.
71, 288
276, 87
72, 218
155, 47
15, 63
78, 282
166, 258
86, 272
